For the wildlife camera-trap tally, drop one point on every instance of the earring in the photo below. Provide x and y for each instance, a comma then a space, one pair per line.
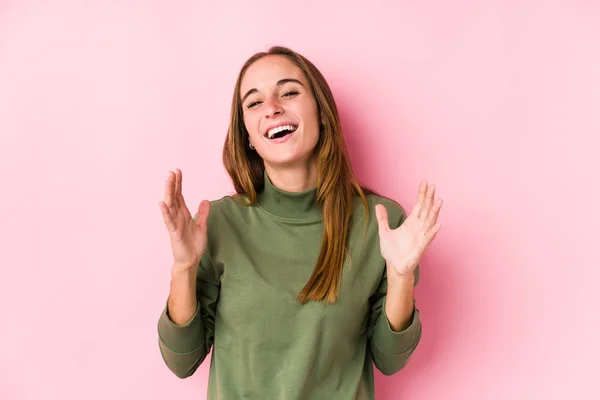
250, 145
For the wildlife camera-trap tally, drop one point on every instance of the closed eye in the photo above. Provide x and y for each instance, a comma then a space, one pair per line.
289, 94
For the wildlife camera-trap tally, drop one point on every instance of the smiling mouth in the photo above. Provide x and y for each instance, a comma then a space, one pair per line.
280, 131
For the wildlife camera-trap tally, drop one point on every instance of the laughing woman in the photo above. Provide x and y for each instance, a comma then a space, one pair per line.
291, 282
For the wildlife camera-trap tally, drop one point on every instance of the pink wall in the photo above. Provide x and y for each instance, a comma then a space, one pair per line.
497, 104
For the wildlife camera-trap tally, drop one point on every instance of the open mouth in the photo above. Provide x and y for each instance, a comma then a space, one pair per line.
280, 131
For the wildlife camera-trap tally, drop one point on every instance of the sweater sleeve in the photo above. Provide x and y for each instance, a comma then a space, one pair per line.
184, 347
391, 350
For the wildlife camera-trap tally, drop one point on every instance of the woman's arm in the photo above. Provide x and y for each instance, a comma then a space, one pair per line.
182, 301
393, 340
400, 303
186, 325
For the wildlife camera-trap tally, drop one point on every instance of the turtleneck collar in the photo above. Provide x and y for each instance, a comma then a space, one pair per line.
289, 205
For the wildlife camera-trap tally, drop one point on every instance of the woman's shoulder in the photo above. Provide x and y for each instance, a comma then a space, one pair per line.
227, 205
230, 201
396, 212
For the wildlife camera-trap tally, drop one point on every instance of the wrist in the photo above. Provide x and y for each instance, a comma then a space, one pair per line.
401, 279
180, 270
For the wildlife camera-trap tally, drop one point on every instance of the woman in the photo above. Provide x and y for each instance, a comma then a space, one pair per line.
296, 290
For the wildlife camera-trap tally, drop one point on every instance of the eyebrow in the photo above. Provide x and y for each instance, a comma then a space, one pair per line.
279, 83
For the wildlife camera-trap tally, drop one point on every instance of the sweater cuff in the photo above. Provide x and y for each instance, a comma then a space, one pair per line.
395, 343
181, 338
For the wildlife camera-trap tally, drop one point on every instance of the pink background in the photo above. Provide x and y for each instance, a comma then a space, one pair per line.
498, 104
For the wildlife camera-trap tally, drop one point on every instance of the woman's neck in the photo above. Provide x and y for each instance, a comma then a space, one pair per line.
293, 179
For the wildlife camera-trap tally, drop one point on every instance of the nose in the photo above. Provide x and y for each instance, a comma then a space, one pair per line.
272, 107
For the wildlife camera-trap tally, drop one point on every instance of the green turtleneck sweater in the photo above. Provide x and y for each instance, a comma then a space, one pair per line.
265, 344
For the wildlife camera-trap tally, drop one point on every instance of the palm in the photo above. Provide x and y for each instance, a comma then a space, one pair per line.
407, 241
403, 247
189, 241
188, 237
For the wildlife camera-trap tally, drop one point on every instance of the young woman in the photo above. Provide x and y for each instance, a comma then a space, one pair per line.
294, 286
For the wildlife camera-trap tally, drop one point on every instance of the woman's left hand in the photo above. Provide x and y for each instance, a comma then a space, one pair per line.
403, 247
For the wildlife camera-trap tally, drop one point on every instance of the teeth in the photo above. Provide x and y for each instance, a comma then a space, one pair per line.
273, 131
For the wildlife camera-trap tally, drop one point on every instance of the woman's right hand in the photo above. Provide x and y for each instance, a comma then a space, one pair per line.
188, 238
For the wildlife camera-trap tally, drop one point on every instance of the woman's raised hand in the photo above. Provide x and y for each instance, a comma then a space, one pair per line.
188, 237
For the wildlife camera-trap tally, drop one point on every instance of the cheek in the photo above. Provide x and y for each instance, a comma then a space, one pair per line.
312, 116
251, 125
307, 111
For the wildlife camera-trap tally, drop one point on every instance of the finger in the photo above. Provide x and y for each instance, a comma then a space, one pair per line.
433, 215
177, 192
167, 216
432, 233
382, 218
428, 202
421, 195
181, 205
183, 208
169, 189
203, 212
416, 211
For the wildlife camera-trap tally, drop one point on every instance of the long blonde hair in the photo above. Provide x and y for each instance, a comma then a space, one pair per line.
337, 185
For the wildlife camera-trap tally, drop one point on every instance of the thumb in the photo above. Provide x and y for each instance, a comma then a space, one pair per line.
382, 218
203, 212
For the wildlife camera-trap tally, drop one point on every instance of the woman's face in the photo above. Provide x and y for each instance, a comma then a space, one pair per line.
280, 111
